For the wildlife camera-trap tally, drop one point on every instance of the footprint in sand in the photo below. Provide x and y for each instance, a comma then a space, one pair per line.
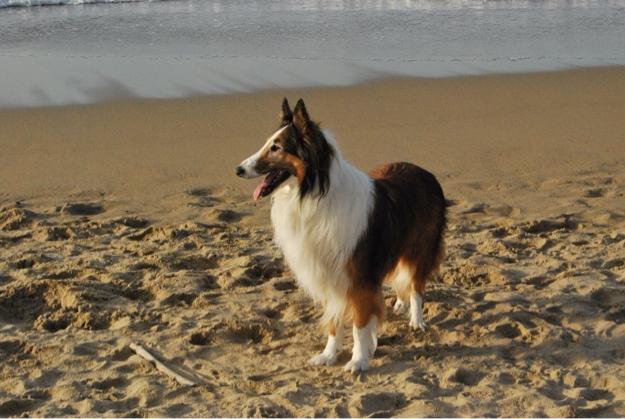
121, 353
505, 378
109, 383
463, 376
15, 218
287, 285
82, 208
539, 282
376, 404
509, 331
594, 193
544, 226
585, 402
255, 271
503, 210
10, 346
478, 207
483, 307
179, 299
52, 324
202, 197
265, 408
25, 263
16, 406
246, 332
229, 216
202, 338
144, 266
501, 232
132, 222
199, 192
593, 394
62, 274
274, 313
263, 267
191, 262
23, 301
236, 331
164, 234
471, 276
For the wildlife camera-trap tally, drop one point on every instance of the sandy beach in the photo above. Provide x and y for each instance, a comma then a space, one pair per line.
123, 222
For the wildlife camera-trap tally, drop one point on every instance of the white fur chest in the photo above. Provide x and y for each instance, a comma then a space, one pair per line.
318, 236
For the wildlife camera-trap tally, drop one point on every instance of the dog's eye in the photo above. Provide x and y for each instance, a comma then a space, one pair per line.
275, 147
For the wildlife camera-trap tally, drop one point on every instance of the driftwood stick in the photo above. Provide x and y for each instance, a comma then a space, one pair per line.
186, 379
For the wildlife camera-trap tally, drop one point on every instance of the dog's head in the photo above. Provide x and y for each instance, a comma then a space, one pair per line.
298, 148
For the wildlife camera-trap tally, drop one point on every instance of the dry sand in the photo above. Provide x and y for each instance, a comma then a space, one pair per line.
123, 223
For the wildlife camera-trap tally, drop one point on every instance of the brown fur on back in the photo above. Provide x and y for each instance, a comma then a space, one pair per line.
406, 225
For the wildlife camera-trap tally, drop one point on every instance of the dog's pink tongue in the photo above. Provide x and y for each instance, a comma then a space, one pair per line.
258, 190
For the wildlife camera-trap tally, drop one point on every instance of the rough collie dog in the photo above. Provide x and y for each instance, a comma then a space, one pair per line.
344, 232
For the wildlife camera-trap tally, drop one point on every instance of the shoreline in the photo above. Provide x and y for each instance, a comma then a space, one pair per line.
69, 80
382, 78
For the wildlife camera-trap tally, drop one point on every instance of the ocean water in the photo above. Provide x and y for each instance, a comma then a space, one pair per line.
80, 51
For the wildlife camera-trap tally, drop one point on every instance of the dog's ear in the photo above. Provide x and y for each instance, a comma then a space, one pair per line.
286, 115
300, 116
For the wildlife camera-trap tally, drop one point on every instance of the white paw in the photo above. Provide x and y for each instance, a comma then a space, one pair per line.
417, 324
323, 359
357, 365
399, 307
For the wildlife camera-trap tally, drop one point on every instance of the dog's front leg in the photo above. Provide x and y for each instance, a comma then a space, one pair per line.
367, 312
365, 344
333, 346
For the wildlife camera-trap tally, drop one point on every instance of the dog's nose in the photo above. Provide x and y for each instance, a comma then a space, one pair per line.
240, 171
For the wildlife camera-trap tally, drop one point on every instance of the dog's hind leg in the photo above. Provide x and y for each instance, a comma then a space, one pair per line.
402, 284
425, 269
416, 311
333, 346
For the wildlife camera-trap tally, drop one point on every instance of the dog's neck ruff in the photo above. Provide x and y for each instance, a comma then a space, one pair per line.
318, 235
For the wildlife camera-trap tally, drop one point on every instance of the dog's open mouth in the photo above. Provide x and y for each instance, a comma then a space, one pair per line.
270, 183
